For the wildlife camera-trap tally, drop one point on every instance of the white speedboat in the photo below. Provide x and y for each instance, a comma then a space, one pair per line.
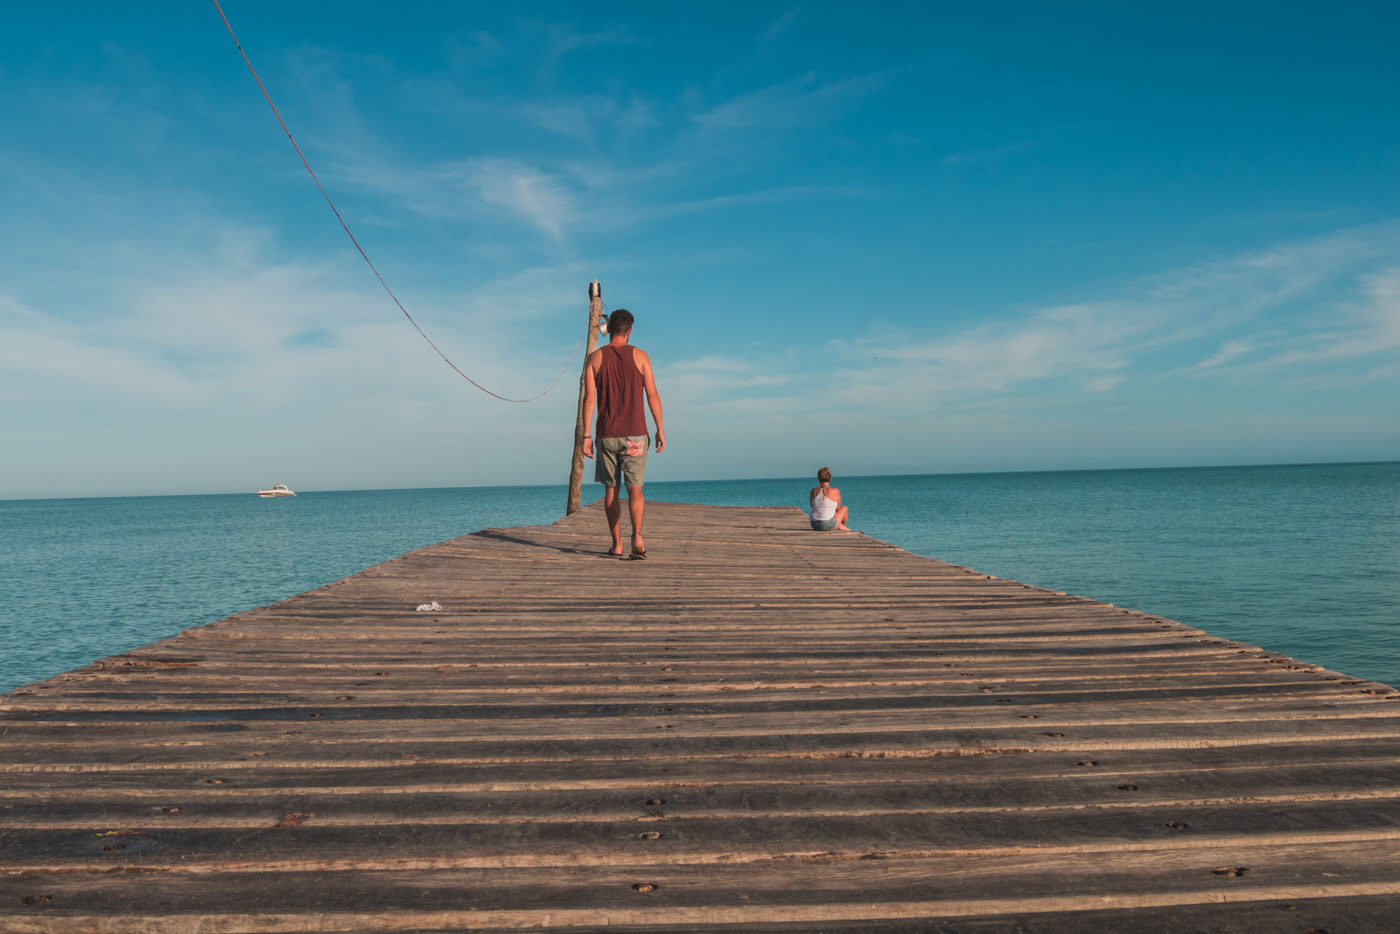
279, 490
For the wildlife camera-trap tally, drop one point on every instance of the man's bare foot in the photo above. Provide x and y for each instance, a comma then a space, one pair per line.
639, 547
616, 550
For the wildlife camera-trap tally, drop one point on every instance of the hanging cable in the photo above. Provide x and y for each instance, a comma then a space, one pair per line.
346, 227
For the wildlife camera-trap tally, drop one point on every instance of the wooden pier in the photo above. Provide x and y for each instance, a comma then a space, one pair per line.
759, 728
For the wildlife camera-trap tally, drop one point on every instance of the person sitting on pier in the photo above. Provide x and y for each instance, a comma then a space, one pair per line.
618, 380
827, 512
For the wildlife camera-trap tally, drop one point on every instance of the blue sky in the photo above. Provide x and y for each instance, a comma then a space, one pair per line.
896, 238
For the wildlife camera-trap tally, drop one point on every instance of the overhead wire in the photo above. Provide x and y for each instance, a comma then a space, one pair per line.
346, 227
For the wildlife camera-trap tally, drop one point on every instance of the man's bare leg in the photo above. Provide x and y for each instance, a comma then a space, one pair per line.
636, 505
613, 507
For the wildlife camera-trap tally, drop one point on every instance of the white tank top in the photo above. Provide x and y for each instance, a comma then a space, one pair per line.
822, 508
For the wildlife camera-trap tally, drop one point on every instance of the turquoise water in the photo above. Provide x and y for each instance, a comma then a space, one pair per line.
1303, 560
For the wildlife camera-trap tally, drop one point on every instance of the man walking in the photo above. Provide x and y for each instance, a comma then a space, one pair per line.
616, 378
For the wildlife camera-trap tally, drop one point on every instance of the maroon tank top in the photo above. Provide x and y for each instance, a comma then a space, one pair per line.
620, 394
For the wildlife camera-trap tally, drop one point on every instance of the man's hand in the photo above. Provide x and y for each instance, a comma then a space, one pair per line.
660, 441
588, 447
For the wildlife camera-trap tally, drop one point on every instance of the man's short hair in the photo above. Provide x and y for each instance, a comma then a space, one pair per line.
620, 322
824, 475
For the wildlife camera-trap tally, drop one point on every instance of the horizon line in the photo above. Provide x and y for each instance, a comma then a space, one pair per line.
564, 484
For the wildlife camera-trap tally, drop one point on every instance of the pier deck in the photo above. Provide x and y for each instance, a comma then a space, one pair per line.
759, 728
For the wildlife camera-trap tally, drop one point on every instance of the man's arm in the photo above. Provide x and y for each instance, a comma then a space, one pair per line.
653, 399
590, 400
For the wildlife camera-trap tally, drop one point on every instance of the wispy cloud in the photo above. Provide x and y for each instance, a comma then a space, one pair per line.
470, 188
570, 40
574, 148
234, 326
801, 101
781, 195
780, 24
1084, 348
536, 197
1365, 327
1241, 286
586, 119
1228, 351
721, 374
1135, 345
990, 154
44, 350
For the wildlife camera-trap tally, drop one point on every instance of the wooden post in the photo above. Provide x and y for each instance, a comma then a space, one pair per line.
595, 318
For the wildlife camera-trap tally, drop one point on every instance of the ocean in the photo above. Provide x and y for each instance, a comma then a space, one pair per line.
1303, 560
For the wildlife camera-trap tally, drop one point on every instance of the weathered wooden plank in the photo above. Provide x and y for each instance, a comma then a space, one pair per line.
1250, 770
434, 799
954, 886
565, 827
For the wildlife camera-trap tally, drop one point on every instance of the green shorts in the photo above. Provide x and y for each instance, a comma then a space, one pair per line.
624, 457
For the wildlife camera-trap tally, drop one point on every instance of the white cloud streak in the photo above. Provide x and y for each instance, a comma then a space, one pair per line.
521, 191
802, 101
780, 25
1126, 348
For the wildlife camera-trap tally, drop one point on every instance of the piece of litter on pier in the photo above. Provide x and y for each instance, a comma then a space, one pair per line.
429, 607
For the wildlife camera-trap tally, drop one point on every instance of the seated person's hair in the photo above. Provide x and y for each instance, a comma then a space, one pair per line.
824, 475
619, 322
